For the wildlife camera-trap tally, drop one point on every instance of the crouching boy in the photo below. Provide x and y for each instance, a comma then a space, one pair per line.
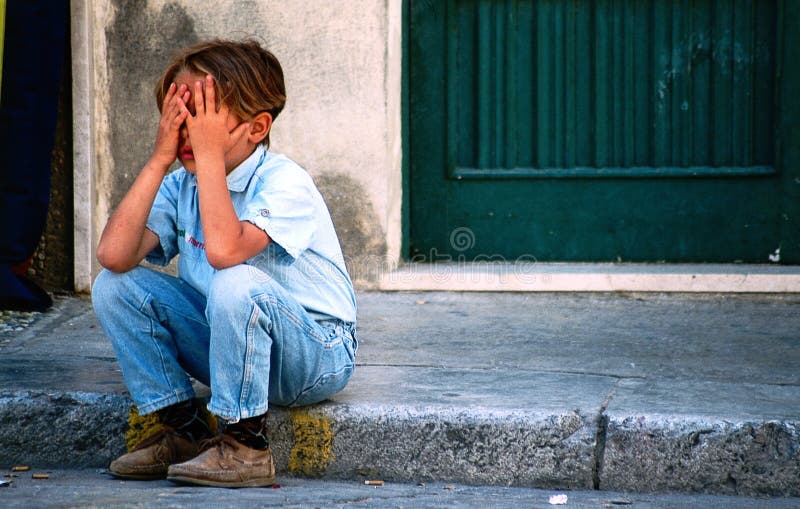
263, 310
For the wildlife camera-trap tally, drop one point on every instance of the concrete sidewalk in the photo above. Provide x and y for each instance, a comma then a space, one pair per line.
640, 392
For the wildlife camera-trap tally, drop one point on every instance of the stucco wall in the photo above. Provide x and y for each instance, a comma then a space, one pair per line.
341, 61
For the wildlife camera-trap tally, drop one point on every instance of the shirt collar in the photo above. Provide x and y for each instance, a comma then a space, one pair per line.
240, 176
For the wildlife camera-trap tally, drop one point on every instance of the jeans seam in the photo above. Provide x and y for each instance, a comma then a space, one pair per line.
183, 315
247, 376
318, 381
290, 314
157, 345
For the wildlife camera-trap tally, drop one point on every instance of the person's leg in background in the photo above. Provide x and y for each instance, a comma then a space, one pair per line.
34, 42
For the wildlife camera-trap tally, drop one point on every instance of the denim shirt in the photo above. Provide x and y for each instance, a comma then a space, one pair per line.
278, 196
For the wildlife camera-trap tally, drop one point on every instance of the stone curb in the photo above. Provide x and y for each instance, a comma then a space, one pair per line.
694, 455
435, 443
336, 441
61, 429
478, 446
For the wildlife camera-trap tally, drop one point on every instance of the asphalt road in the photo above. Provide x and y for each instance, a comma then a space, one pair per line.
94, 488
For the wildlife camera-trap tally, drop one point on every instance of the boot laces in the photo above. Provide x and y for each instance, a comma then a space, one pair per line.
220, 441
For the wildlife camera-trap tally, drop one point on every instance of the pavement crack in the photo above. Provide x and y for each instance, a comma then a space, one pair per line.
599, 449
588, 373
388, 365
601, 433
502, 367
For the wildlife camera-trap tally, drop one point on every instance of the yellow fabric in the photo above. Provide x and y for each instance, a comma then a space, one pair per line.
2, 36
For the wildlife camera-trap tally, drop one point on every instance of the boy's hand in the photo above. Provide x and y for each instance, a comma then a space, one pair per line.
173, 114
213, 131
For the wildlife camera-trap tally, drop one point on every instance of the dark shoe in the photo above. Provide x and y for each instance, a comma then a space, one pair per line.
153, 456
226, 463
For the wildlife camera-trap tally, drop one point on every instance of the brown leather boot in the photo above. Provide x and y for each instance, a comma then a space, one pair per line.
153, 456
226, 463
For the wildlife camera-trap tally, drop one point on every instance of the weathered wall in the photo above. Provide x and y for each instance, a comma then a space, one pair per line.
51, 266
341, 121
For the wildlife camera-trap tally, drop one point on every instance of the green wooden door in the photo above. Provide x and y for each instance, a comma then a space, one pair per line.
635, 130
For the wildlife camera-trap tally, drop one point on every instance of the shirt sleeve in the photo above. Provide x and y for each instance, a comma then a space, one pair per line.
286, 211
163, 221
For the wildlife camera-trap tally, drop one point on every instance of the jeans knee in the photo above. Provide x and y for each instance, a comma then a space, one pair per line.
235, 286
106, 287
112, 290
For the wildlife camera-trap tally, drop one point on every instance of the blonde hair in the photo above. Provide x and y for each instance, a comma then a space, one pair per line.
248, 79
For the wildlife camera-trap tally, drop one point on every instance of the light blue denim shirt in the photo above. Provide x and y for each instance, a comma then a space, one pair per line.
274, 193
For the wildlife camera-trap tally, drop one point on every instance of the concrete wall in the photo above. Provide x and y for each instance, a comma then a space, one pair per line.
341, 61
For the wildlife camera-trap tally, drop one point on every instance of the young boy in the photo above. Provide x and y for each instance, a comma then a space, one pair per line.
263, 310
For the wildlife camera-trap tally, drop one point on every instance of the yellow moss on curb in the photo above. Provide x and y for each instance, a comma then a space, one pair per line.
141, 427
312, 450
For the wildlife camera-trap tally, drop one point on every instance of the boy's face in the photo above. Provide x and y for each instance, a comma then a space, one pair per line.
233, 157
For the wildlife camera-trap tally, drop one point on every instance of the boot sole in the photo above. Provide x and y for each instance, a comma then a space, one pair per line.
251, 483
139, 477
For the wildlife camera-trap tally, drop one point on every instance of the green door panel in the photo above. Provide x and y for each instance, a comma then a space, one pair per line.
602, 131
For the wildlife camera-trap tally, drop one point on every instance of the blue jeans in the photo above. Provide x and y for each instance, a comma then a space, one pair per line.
249, 341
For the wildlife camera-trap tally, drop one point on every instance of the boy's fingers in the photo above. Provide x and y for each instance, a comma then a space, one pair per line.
183, 109
173, 101
211, 100
172, 109
169, 100
181, 114
239, 131
199, 107
170, 93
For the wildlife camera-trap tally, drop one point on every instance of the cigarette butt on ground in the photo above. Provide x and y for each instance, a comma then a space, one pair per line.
373, 482
41, 476
20, 468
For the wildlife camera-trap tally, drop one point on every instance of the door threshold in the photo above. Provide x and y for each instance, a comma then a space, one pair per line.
592, 277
